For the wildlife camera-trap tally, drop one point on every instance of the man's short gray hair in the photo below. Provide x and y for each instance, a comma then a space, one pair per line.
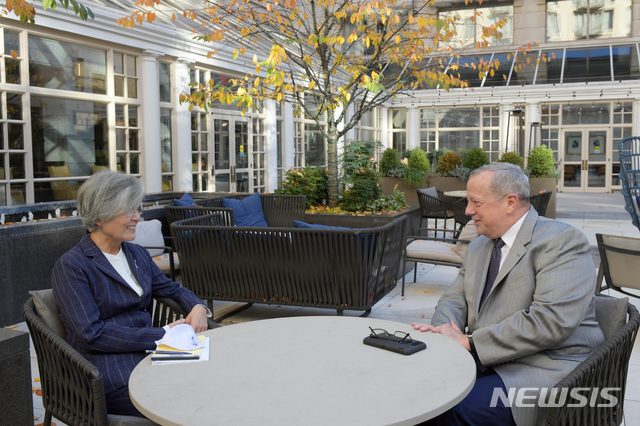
107, 195
507, 179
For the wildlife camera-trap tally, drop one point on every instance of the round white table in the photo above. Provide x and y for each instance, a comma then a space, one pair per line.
305, 371
457, 194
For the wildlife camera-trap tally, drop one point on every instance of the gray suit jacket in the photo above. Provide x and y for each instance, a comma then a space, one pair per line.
538, 322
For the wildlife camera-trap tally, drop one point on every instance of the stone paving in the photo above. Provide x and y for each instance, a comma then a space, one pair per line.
591, 213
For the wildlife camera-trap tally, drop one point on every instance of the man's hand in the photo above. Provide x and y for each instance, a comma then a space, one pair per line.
197, 318
178, 322
450, 330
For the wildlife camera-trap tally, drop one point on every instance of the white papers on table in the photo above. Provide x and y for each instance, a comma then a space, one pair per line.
181, 337
203, 353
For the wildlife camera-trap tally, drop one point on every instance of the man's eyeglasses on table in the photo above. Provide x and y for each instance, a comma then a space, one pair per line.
397, 336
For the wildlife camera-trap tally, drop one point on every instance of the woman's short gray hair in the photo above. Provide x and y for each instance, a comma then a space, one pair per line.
507, 179
106, 195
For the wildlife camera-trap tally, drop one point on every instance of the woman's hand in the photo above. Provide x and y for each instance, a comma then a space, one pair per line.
197, 318
173, 324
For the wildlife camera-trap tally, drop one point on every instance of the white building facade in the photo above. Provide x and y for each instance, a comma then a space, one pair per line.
84, 96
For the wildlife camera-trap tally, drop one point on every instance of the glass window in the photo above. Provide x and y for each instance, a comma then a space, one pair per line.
456, 140
588, 19
125, 79
524, 68
60, 65
587, 65
399, 119
459, 117
200, 151
314, 153
11, 65
164, 79
70, 138
469, 25
594, 113
467, 68
502, 63
550, 67
625, 63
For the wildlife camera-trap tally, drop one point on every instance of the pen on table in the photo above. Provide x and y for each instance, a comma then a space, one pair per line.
150, 351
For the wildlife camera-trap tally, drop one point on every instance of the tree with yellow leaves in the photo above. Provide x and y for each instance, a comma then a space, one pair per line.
25, 11
336, 53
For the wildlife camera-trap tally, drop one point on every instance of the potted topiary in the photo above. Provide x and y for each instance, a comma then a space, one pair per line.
542, 174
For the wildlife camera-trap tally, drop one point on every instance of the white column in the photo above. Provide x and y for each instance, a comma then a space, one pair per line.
636, 117
505, 139
384, 127
532, 114
413, 122
151, 152
287, 137
182, 133
271, 145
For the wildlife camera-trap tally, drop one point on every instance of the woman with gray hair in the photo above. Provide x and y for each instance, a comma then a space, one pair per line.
105, 283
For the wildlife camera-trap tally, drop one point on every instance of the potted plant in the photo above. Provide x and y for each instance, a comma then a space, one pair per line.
542, 174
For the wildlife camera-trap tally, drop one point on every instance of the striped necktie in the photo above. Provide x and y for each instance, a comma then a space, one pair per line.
494, 268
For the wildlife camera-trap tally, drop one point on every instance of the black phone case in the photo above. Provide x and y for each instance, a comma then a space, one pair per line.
404, 348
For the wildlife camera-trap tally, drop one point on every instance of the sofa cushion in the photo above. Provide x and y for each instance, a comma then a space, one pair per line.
47, 310
305, 225
185, 201
163, 262
430, 191
247, 211
611, 313
469, 232
434, 251
149, 234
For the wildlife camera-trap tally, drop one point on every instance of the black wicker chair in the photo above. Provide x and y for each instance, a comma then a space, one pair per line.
541, 201
432, 207
338, 269
446, 251
72, 387
629, 151
619, 263
607, 367
459, 215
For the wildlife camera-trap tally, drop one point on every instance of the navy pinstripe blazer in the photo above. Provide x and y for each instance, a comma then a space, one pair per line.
105, 319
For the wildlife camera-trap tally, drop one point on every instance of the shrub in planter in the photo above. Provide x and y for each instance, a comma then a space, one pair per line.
418, 160
540, 162
362, 187
434, 156
389, 161
310, 181
414, 177
448, 162
357, 155
461, 172
474, 158
511, 157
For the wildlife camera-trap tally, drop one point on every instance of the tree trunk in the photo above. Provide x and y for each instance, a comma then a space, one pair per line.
332, 159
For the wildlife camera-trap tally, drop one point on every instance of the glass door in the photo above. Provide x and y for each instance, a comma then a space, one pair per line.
231, 154
584, 166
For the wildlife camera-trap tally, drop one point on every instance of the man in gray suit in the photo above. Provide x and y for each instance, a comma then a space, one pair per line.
522, 303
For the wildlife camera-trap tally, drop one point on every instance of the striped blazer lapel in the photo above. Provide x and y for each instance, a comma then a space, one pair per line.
92, 251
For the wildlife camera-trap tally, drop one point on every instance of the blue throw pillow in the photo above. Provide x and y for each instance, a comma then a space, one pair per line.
247, 211
299, 224
185, 201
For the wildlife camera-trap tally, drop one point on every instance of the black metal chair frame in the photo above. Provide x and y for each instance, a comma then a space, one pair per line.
629, 152
72, 387
607, 367
434, 208
540, 202
605, 272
